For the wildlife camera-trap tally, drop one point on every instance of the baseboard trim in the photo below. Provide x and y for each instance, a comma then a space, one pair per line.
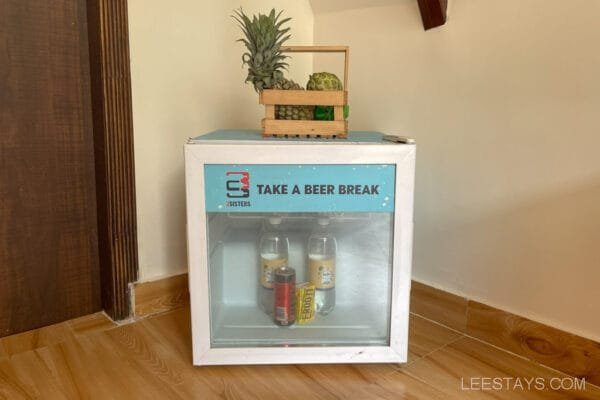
563, 351
159, 296
442, 307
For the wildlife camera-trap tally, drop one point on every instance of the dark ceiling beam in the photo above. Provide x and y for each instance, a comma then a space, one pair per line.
433, 12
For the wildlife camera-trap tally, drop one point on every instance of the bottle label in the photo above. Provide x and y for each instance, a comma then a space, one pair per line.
322, 273
268, 266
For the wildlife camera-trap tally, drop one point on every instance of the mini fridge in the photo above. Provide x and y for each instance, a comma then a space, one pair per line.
299, 249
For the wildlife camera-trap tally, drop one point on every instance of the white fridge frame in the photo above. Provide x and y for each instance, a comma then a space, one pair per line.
201, 152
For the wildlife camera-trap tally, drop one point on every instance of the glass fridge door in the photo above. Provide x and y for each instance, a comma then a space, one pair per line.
299, 255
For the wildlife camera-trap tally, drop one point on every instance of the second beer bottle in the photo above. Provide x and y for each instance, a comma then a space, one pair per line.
322, 248
274, 249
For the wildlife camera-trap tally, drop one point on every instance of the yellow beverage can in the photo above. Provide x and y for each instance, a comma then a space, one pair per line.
305, 302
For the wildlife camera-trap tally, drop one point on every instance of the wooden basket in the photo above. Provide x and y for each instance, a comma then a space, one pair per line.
338, 128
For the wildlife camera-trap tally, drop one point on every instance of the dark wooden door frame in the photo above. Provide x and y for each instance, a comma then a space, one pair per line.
113, 147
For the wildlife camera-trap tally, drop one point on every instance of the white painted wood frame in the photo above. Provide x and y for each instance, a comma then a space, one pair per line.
198, 153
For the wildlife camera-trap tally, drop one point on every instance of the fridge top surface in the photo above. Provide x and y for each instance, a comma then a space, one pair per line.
255, 135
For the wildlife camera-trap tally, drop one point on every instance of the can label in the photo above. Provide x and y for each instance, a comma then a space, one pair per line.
305, 302
322, 272
285, 303
268, 266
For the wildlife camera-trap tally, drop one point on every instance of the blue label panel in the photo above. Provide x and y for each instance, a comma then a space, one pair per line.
299, 188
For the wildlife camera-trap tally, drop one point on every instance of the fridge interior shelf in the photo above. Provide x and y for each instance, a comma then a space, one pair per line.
363, 283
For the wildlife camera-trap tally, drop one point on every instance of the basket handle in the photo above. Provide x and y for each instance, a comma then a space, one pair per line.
322, 49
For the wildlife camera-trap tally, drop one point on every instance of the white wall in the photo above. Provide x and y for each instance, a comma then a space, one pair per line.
187, 79
504, 102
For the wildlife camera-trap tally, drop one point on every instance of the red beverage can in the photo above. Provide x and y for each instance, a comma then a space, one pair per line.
285, 296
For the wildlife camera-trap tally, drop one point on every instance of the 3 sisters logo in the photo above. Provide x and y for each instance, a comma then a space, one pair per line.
238, 187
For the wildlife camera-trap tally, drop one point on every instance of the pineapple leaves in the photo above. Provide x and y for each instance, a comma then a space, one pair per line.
263, 38
285, 38
283, 21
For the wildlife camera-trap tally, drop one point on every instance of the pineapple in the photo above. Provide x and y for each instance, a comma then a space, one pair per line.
264, 36
292, 112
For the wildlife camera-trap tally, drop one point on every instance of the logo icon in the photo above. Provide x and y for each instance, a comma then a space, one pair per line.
239, 187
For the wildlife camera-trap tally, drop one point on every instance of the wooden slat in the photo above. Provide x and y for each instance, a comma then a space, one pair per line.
338, 113
314, 49
270, 111
115, 175
324, 49
303, 97
346, 63
291, 128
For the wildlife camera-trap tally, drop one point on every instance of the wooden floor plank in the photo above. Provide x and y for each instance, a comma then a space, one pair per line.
568, 353
76, 368
173, 330
90, 324
37, 377
552, 347
324, 381
54, 334
3, 353
426, 336
151, 358
36, 338
174, 327
156, 359
404, 386
348, 381
11, 387
451, 369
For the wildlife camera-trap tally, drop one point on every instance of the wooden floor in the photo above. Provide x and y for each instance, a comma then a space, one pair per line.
92, 358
